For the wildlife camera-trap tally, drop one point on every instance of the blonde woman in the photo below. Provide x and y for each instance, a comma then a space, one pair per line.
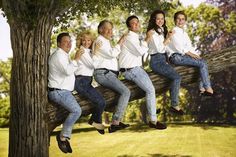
84, 79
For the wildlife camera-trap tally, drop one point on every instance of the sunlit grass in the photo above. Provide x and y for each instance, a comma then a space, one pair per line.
140, 141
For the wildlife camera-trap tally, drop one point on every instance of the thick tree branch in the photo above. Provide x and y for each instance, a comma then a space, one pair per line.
217, 61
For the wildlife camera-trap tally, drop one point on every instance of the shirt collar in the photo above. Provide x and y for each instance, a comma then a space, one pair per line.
64, 52
134, 34
179, 29
86, 49
103, 38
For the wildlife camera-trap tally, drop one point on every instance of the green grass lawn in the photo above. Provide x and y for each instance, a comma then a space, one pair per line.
141, 141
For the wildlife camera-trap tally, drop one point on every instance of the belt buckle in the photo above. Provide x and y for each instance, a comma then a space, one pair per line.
122, 70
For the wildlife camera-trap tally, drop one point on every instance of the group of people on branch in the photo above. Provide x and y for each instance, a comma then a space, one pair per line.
97, 58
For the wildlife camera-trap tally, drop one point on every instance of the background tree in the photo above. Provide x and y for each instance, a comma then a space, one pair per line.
5, 70
213, 27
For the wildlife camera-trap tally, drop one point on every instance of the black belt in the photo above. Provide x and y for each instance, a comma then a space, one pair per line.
125, 69
76, 76
157, 54
52, 89
107, 70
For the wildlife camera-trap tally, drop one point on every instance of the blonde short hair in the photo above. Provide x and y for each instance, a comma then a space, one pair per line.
80, 36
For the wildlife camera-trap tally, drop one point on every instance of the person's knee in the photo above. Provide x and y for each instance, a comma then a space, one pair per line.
125, 93
77, 110
178, 78
203, 64
150, 90
101, 103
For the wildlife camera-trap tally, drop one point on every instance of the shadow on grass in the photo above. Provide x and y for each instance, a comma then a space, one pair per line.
78, 130
155, 155
204, 126
141, 127
138, 127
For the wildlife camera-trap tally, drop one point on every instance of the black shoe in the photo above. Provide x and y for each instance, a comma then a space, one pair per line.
123, 125
94, 124
207, 94
158, 111
158, 125
62, 144
69, 149
114, 128
179, 112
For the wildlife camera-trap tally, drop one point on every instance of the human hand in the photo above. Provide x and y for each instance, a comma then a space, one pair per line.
170, 34
122, 39
193, 55
168, 37
97, 47
79, 53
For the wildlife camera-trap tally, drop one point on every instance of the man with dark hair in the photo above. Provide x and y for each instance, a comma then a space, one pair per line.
182, 53
180, 13
130, 62
60, 84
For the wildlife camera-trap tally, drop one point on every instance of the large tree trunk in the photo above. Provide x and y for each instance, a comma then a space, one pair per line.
217, 61
31, 24
28, 90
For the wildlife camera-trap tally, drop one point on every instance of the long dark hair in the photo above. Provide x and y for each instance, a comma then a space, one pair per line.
152, 22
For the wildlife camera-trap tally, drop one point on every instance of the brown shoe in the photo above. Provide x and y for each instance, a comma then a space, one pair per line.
158, 125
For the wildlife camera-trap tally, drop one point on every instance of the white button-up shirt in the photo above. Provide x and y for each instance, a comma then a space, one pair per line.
61, 70
85, 64
132, 51
156, 44
180, 42
105, 57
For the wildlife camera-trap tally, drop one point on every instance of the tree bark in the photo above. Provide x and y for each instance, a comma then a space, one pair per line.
217, 61
28, 90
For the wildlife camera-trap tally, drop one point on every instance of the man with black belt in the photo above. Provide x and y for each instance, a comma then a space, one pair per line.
61, 81
106, 71
130, 62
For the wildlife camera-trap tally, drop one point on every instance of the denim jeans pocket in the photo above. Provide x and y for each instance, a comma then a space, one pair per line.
129, 75
55, 96
176, 58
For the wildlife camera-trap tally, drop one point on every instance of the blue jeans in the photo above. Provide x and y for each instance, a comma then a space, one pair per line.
68, 101
178, 59
141, 78
83, 87
159, 66
109, 79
